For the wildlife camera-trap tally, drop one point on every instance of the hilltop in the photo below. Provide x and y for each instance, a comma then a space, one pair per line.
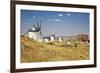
34, 51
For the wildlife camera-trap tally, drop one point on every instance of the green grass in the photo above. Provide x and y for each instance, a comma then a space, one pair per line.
34, 51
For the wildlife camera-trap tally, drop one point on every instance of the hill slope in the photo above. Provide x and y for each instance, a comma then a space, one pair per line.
34, 51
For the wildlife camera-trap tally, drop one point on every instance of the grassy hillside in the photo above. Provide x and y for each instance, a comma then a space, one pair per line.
34, 51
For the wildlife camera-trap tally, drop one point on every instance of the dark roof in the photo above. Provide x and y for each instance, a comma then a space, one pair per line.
46, 37
33, 31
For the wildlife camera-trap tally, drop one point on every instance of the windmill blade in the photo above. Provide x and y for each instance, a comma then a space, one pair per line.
27, 31
30, 29
41, 33
35, 27
40, 29
38, 26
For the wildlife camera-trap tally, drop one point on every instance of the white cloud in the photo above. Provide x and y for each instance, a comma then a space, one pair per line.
57, 20
60, 14
68, 14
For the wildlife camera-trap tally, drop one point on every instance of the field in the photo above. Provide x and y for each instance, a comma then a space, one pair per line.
34, 51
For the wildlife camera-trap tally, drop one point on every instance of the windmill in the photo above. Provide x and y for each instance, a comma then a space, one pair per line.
35, 31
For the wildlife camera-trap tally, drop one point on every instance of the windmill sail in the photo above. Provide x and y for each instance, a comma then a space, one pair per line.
40, 29
35, 31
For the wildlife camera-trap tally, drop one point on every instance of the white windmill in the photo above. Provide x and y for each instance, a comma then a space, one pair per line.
35, 32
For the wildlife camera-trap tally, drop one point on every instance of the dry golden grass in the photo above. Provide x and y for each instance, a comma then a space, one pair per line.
34, 51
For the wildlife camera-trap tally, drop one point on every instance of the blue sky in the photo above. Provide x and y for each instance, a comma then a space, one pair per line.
60, 23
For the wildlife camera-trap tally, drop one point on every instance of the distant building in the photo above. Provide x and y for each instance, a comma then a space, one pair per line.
52, 38
60, 39
40, 39
46, 39
36, 34
33, 34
